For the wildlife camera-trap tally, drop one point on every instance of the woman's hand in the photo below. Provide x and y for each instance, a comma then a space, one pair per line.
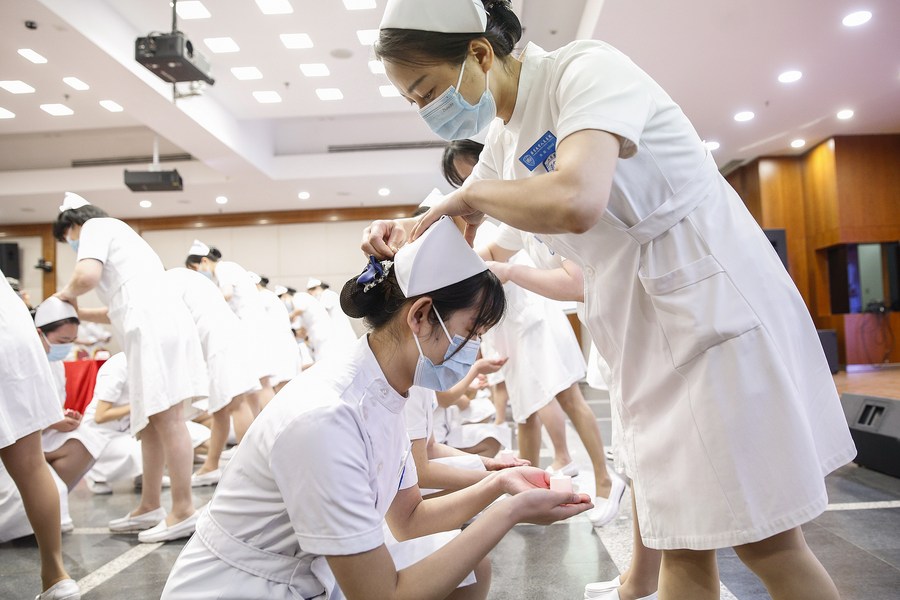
498, 464
452, 205
485, 366
65, 296
521, 479
383, 238
500, 269
543, 507
71, 421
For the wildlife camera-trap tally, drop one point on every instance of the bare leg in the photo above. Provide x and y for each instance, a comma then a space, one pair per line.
221, 426
153, 461
690, 574
243, 414
554, 420
176, 444
573, 403
26, 465
642, 577
70, 461
530, 439
265, 395
788, 568
500, 398
478, 590
487, 447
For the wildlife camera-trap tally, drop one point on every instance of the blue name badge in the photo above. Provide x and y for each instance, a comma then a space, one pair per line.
543, 152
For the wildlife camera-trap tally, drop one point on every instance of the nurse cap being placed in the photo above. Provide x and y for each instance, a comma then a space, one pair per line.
72, 201
440, 257
198, 248
52, 310
444, 16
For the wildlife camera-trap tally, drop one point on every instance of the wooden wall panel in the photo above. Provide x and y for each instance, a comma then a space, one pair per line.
745, 181
868, 187
865, 338
820, 186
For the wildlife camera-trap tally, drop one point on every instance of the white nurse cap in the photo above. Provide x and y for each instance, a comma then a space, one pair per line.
443, 16
280, 290
440, 257
433, 197
254, 278
72, 201
312, 282
198, 248
52, 310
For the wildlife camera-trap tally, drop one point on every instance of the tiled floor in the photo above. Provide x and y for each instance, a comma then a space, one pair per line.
858, 543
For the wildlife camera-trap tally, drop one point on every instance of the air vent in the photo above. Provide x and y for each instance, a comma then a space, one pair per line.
377, 147
130, 160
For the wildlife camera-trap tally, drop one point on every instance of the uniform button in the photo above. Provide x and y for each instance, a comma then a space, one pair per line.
589, 271
383, 392
379, 467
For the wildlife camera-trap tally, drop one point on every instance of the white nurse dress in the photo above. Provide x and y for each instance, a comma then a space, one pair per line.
286, 353
730, 412
154, 329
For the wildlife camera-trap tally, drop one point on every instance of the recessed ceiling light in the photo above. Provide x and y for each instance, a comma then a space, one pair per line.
790, 76
76, 84
367, 37
245, 73
5, 114
798, 143
275, 7
388, 91
293, 41
857, 18
32, 56
192, 9
384, 192
303, 195
16, 87
329, 94
359, 4
711, 145
221, 200
221, 45
315, 70
145, 204
744, 115
376, 66
845, 114
111, 106
267, 97
57, 110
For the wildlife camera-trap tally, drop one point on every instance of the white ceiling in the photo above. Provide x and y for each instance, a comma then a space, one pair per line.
715, 57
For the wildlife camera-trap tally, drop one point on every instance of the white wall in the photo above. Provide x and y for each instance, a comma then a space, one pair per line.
29, 252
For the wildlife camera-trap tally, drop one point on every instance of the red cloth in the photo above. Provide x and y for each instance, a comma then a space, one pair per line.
81, 376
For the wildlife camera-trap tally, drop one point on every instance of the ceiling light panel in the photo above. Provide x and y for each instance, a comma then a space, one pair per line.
845, 114
315, 70
367, 37
294, 41
303, 195
377, 67
856, 19
191, 9
57, 110
6, 114
275, 7
329, 94
76, 84
221, 200
389, 91
712, 145
16, 87
359, 4
246, 73
145, 204
267, 97
111, 106
221, 45
32, 56
790, 76
743, 116
798, 143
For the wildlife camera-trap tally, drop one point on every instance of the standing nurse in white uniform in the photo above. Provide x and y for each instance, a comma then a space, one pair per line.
730, 413
299, 510
165, 360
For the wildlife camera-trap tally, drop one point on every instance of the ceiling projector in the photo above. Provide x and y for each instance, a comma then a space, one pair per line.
153, 181
172, 58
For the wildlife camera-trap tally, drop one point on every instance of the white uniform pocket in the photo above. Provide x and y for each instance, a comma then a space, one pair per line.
698, 307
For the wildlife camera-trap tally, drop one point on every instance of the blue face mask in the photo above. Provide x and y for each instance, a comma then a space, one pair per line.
206, 274
57, 351
73, 244
451, 117
451, 371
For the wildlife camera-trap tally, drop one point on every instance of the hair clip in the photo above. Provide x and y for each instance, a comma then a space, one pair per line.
374, 273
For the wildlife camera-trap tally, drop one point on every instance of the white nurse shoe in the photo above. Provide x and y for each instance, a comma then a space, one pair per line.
605, 509
66, 589
132, 524
593, 590
166, 533
570, 469
209, 478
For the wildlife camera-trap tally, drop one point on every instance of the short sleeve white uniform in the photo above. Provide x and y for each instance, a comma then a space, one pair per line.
342, 329
723, 385
314, 476
318, 326
155, 330
285, 352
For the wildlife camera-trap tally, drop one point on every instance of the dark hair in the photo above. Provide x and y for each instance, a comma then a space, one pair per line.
416, 48
194, 259
263, 281
379, 305
459, 149
291, 291
51, 327
324, 285
75, 216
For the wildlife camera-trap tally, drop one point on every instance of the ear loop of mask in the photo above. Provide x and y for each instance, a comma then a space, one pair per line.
444, 327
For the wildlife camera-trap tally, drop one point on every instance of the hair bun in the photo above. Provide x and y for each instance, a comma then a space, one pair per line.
214, 253
353, 299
